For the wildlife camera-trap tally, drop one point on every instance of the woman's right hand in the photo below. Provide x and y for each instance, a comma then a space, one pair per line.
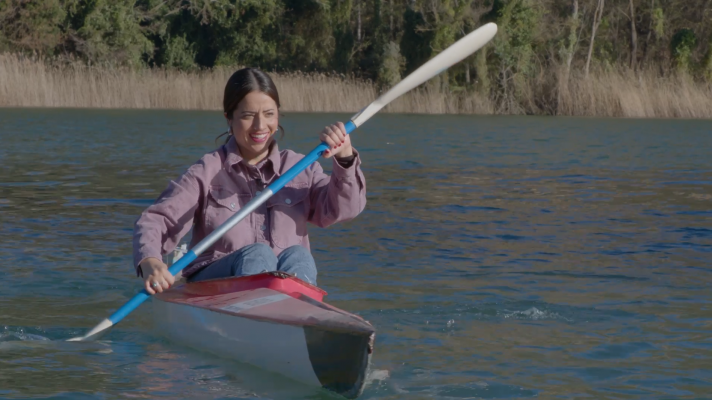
155, 271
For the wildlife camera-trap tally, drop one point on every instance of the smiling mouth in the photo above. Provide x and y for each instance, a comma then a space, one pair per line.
259, 137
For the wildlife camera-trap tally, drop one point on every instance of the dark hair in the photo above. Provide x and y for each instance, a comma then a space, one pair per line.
243, 82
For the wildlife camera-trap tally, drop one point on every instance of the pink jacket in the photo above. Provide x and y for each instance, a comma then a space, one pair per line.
221, 182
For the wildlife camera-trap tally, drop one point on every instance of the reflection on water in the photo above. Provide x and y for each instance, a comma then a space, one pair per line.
497, 257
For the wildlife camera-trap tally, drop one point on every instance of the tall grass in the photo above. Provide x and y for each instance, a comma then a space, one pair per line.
28, 82
642, 94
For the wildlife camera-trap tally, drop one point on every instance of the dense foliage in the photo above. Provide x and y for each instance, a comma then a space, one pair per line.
376, 39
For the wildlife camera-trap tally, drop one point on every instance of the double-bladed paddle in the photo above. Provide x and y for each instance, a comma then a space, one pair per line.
453, 54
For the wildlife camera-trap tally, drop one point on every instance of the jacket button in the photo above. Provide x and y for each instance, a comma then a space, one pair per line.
262, 227
288, 201
232, 205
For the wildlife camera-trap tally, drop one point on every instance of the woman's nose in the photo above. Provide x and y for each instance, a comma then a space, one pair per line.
259, 122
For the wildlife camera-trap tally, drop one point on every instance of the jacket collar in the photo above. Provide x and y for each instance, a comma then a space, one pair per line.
272, 162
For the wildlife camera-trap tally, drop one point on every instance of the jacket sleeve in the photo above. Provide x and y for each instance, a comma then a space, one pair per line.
161, 226
339, 197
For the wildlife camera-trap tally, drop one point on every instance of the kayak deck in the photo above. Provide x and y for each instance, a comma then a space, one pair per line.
273, 321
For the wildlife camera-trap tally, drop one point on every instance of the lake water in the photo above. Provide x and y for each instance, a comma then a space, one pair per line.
498, 257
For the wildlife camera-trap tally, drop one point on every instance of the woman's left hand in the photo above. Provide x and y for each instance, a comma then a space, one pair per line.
338, 141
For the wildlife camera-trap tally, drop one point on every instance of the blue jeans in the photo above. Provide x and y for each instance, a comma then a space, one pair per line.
257, 258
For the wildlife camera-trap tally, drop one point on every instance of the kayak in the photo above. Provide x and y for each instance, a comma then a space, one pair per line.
273, 321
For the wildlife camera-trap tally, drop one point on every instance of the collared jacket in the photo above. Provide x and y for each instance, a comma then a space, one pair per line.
222, 182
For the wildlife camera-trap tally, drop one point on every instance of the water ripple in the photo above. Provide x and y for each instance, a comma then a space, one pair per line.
539, 257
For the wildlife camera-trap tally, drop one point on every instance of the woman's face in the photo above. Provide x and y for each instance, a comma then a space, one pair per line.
253, 123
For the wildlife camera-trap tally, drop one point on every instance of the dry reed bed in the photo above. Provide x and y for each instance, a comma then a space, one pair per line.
26, 82
636, 95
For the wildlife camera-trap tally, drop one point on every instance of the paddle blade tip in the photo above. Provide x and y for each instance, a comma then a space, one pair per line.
490, 28
95, 333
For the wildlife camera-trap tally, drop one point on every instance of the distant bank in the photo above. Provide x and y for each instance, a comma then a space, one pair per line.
26, 82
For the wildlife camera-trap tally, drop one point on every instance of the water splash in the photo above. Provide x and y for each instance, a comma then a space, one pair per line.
377, 375
11, 335
534, 314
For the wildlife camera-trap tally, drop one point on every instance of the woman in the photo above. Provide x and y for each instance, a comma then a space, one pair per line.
274, 237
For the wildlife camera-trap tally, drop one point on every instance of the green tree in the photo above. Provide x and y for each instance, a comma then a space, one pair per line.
178, 53
245, 33
27, 25
682, 45
373, 50
308, 36
343, 56
416, 41
392, 63
514, 47
107, 31
707, 64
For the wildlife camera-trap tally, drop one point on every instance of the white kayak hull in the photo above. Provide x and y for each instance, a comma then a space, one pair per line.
272, 321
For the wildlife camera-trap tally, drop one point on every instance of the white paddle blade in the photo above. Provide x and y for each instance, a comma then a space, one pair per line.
95, 333
457, 52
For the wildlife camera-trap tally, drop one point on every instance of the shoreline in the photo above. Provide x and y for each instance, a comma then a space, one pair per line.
31, 83
352, 112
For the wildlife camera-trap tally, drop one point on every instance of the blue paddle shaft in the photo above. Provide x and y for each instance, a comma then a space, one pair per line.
305, 162
141, 296
188, 257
